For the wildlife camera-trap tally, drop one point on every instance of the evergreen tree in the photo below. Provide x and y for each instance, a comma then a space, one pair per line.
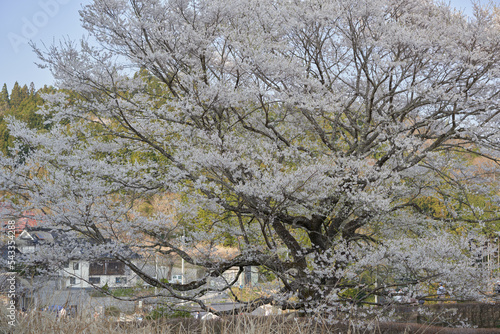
16, 96
4, 99
24, 93
26, 111
5, 138
32, 90
22, 103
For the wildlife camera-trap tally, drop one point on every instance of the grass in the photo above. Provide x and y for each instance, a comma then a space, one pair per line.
44, 323
123, 292
253, 292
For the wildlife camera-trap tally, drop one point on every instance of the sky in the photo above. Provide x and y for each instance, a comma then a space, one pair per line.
40, 21
47, 22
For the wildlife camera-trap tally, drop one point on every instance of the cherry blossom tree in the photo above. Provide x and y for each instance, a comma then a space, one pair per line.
329, 140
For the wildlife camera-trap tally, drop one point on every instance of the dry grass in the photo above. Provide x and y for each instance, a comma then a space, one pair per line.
43, 323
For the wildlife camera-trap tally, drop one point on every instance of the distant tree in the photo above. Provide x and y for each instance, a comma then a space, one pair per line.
312, 134
4, 99
5, 140
16, 96
25, 93
32, 90
23, 106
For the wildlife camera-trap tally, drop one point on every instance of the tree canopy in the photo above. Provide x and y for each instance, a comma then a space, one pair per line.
22, 103
325, 138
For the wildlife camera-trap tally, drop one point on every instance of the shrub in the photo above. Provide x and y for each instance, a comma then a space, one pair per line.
112, 311
124, 292
165, 312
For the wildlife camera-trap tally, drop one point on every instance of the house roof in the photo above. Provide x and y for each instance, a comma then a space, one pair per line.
25, 220
33, 238
67, 239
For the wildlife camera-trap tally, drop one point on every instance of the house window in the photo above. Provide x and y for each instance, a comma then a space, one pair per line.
76, 265
107, 267
121, 280
115, 268
95, 280
96, 268
72, 280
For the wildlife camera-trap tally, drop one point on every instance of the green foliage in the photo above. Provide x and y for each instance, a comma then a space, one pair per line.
17, 95
266, 275
123, 292
432, 206
112, 311
354, 295
229, 240
22, 103
4, 99
118, 292
146, 207
5, 138
470, 204
163, 312
97, 294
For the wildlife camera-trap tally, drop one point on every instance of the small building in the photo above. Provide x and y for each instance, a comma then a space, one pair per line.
79, 273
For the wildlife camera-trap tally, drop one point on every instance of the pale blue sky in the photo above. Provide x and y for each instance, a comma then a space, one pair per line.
42, 21
46, 21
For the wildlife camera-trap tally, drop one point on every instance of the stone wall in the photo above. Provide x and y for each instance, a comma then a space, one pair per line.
451, 314
480, 315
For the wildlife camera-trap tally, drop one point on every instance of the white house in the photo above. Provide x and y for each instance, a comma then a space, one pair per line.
77, 273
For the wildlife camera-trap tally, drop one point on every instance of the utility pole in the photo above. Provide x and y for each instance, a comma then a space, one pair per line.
182, 259
156, 271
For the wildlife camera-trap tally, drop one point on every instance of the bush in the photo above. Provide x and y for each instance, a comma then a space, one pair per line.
123, 292
354, 295
112, 311
167, 313
97, 294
